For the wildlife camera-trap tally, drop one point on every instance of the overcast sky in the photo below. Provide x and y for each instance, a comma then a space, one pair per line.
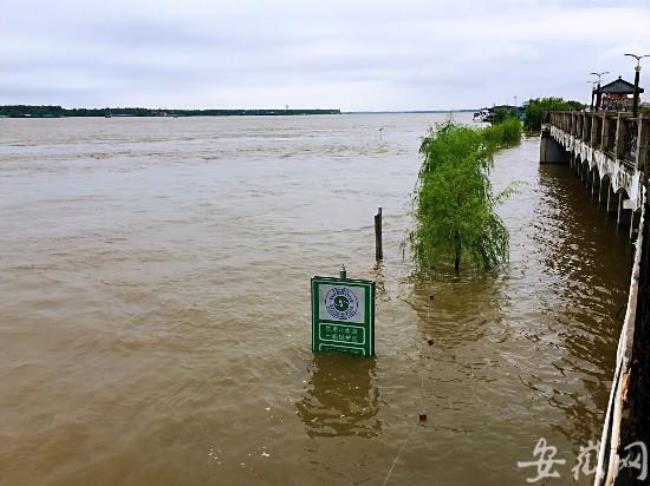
348, 54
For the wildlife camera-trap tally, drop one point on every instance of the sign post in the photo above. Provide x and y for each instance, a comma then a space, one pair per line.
343, 315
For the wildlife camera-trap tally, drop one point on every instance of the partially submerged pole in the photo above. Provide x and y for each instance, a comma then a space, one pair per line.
379, 250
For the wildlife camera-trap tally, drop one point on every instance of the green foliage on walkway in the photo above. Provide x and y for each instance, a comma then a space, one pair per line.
536, 108
455, 204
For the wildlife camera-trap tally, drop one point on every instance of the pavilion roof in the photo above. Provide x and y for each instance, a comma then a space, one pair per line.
619, 86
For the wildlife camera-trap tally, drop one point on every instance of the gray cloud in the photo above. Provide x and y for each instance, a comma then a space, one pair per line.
357, 56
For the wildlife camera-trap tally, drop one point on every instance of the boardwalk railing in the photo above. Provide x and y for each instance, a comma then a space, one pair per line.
612, 149
617, 134
625, 418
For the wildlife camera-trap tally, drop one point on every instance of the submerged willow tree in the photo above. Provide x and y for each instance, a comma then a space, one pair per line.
455, 204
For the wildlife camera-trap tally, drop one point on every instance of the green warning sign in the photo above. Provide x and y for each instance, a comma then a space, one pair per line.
343, 315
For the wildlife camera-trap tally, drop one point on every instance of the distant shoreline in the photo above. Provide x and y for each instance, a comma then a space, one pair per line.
54, 111
408, 112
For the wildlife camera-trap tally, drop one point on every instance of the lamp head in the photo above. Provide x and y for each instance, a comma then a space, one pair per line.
637, 57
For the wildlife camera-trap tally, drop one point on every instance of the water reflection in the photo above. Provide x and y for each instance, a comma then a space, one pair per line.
582, 257
582, 254
342, 399
459, 311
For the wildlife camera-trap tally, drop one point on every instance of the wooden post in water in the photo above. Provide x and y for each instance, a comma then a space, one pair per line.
379, 250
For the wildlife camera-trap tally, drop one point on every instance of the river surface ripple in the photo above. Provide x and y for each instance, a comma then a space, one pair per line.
155, 319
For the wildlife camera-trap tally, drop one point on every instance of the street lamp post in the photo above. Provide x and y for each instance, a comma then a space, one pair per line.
637, 75
593, 93
598, 93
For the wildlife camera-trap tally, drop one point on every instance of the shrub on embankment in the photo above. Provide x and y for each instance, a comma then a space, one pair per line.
454, 202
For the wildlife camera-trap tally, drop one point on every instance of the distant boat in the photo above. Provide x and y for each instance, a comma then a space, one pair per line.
487, 115
482, 116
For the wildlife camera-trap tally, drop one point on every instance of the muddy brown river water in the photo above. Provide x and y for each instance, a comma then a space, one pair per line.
155, 311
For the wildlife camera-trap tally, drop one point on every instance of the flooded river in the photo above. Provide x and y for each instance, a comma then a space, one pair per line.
155, 311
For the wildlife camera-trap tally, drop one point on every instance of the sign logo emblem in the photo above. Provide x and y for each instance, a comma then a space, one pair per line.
341, 303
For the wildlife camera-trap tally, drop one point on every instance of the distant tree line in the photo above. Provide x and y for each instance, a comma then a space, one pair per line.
52, 111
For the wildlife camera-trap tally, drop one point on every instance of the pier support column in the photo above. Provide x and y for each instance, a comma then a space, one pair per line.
551, 152
603, 189
611, 205
593, 183
623, 215
632, 228
619, 209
